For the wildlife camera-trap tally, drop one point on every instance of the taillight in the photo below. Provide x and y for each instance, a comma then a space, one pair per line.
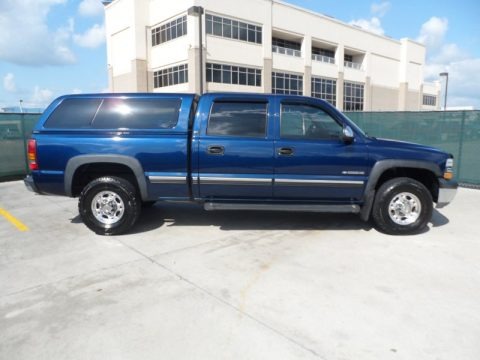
32, 154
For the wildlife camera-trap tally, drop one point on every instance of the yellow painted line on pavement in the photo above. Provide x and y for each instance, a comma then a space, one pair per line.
13, 220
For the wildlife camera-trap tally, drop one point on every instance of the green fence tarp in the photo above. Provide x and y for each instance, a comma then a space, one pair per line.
457, 132
15, 129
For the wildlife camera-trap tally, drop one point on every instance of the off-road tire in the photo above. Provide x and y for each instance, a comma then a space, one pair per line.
124, 190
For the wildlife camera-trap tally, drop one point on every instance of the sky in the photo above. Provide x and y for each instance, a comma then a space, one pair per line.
54, 47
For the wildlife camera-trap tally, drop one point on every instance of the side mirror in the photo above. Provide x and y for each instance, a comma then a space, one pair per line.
347, 135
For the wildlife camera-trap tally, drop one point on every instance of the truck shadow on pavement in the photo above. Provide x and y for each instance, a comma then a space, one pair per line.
167, 215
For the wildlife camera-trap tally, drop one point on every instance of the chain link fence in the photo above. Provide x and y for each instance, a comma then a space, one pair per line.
457, 132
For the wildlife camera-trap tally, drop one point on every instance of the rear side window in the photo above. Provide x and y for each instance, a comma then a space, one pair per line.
117, 113
238, 119
73, 114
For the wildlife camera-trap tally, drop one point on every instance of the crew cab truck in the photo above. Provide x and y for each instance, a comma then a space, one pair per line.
229, 151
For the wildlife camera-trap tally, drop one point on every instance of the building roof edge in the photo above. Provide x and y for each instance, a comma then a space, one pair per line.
332, 19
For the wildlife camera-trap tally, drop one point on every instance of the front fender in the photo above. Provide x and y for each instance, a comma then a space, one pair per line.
379, 168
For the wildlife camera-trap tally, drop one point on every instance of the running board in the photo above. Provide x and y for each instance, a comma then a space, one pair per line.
210, 206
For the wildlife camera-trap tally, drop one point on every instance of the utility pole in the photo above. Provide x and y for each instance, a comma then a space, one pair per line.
446, 89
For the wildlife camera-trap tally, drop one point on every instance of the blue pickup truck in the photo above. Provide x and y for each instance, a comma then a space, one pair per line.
226, 151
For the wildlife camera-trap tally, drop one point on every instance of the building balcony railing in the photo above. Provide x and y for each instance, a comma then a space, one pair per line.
286, 51
353, 65
323, 58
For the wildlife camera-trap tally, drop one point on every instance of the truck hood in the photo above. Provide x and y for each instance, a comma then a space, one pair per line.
384, 149
405, 145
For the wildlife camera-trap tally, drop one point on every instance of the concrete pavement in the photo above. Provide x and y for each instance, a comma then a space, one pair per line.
189, 284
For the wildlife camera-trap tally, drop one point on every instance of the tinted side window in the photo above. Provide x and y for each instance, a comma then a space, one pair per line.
116, 113
308, 122
73, 114
238, 119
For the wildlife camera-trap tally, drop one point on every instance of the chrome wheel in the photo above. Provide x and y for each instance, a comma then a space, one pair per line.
405, 208
108, 207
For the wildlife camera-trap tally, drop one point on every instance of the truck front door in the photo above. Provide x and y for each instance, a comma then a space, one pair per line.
311, 160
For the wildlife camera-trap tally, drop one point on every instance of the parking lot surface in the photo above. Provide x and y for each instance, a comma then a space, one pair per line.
190, 284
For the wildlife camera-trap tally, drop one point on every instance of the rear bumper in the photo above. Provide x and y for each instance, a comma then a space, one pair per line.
446, 192
30, 184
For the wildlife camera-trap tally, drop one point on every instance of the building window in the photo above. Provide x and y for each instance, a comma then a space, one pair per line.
353, 94
429, 100
233, 29
323, 55
323, 52
352, 63
169, 31
289, 84
325, 89
286, 43
171, 76
286, 47
236, 75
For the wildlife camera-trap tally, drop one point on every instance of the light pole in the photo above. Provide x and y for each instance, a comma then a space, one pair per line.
446, 89
198, 11
21, 106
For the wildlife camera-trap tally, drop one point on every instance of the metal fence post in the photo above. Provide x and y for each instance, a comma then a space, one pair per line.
24, 136
460, 146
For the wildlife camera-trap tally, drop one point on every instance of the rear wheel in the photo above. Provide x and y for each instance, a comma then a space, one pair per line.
109, 205
402, 206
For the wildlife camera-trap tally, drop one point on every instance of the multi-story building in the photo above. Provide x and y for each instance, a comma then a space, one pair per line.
261, 46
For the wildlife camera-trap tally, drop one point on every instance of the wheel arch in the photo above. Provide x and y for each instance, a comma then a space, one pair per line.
129, 162
383, 167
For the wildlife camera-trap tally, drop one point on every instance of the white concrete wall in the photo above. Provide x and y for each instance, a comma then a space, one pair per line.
120, 35
216, 87
321, 69
287, 63
384, 71
169, 54
432, 88
253, 11
121, 45
161, 11
233, 51
180, 88
354, 75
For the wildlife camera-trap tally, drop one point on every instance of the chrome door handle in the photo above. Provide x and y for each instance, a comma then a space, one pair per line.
216, 150
285, 151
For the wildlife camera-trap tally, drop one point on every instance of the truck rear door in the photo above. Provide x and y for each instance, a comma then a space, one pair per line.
234, 148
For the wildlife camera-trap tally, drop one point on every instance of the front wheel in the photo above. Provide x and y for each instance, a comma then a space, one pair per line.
402, 206
109, 205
